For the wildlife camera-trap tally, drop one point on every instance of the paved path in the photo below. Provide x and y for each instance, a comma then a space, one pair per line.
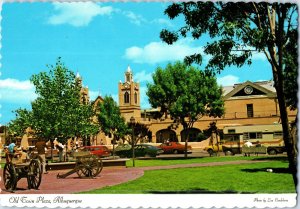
108, 177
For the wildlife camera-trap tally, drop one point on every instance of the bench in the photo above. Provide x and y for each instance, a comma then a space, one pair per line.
254, 150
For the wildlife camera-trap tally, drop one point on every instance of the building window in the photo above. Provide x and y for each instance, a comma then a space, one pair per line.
252, 135
250, 110
231, 131
126, 97
135, 98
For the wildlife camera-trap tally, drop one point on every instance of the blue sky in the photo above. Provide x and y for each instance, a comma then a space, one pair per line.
98, 40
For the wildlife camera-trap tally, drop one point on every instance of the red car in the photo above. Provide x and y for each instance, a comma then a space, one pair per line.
99, 150
174, 147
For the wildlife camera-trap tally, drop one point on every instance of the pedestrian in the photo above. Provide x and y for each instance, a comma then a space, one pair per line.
60, 148
248, 144
11, 151
41, 147
258, 144
11, 147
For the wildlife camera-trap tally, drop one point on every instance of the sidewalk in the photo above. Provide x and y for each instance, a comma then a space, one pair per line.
108, 177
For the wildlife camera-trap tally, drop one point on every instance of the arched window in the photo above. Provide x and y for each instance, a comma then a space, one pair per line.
126, 97
135, 98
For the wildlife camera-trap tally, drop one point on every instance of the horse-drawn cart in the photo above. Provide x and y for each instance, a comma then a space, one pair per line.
14, 170
86, 166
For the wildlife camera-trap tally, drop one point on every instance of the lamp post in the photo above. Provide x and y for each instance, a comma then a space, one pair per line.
132, 123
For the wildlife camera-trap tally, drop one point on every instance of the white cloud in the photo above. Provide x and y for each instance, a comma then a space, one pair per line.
134, 18
156, 52
142, 76
228, 80
16, 84
17, 92
77, 13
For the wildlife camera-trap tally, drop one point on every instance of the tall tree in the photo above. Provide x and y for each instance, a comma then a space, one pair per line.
138, 132
186, 93
58, 112
237, 30
110, 119
58, 99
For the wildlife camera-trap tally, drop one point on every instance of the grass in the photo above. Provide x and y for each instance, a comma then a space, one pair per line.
244, 178
161, 162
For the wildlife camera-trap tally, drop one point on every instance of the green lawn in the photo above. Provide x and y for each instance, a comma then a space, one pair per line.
246, 178
159, 162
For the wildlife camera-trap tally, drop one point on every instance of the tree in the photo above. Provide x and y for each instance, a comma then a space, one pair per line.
110, 119
58, 112
237, 30
57, 101
138, 132
186, 93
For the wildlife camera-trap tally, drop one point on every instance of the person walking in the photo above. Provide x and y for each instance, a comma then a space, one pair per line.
60, 148
41, 146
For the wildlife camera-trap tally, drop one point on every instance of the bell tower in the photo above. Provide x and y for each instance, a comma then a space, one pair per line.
129, 97
84, 91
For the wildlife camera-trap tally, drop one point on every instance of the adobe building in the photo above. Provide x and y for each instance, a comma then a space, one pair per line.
245, 103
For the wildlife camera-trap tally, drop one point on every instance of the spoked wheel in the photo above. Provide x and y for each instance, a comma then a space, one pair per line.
90, 166
10, 176
34, 176
35, 156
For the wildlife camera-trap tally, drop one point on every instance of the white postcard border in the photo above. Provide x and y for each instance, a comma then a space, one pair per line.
150, 200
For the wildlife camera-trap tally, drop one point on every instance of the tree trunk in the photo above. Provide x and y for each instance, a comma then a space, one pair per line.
287, 137
186, 143
279, 85
132, 148
133, 156
51, 147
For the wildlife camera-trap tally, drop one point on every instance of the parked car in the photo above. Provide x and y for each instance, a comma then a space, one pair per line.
174, 147
141, 150
99, 150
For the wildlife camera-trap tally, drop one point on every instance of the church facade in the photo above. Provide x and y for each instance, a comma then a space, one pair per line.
245, 103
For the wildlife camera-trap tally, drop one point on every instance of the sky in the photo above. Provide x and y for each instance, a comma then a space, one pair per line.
99, 41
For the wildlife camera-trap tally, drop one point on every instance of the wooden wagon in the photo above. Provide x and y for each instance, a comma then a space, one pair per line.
15, 169
86, 166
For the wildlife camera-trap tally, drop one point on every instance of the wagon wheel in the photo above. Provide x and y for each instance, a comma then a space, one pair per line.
40, 160
90, 166
34, 176
10, 176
